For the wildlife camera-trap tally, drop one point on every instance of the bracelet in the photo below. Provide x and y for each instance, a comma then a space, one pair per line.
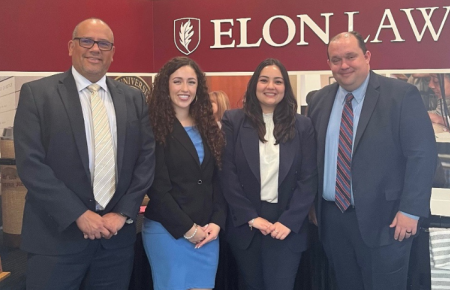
191, 236
250, 224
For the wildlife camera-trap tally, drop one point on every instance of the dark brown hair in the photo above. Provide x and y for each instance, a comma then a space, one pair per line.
284, 113
358, 37
162, 113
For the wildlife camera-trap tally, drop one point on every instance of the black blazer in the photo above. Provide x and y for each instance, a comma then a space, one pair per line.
394, 155
53, 163
241, 183
184, 191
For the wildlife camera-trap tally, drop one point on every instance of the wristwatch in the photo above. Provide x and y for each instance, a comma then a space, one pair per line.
129, 220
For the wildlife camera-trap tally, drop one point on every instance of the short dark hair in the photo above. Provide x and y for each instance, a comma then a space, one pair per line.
358, 37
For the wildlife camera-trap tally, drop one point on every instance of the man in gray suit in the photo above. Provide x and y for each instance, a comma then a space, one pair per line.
376, 160
85, 152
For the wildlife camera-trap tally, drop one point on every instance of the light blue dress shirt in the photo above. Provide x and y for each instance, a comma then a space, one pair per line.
332, 138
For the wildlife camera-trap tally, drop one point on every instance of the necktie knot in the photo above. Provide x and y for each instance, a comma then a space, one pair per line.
349, 97
93, 88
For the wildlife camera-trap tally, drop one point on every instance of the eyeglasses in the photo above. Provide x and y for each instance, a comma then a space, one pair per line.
89, 43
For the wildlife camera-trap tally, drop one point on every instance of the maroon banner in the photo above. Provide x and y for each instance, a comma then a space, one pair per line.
34, 35
227, 35
237, 35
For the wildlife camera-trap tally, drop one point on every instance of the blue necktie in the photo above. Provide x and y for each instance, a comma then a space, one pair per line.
344, 158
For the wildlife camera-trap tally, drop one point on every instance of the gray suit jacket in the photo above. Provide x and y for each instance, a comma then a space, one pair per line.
53, 163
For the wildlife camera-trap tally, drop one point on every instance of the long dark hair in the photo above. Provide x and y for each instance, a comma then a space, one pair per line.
162, 113
284, 113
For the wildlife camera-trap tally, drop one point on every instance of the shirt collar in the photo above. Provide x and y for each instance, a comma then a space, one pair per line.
358, 94
83, 82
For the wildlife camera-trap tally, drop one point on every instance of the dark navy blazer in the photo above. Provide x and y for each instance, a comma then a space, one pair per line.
394, 155
241, 183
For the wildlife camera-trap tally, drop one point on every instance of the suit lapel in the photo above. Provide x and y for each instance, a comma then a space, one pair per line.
250, 147
69, 95
370, 101
120, 107
182, 136
287, 153
207, 154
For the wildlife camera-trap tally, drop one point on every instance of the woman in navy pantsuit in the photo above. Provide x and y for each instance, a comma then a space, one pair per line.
268, 179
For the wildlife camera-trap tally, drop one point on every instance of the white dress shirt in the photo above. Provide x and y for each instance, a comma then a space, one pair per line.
85, 99
269, 162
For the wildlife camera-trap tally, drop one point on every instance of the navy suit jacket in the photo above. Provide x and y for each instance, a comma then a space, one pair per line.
240, 179
53, 163
394, 155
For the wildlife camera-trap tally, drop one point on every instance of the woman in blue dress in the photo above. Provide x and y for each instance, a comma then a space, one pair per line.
186, 210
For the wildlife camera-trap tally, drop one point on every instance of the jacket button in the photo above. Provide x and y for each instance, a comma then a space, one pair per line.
242, 185
199, 181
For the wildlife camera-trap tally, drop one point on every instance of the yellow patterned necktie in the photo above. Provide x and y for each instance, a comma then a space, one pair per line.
104, 165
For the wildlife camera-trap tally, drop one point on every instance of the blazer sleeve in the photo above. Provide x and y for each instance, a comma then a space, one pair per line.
240, 206
219, 214
144, 168
419, 149
306, 188
169, 213
44, 188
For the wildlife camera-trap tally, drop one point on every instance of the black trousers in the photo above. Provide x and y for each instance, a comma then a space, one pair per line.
94, 268
268, 263
357, 266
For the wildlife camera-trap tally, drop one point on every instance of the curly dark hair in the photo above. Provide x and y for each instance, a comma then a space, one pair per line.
162, 113
284, 113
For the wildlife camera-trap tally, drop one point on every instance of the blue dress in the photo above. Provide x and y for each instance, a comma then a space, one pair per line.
175, 263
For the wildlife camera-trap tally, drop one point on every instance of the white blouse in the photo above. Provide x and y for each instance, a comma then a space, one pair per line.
269, 163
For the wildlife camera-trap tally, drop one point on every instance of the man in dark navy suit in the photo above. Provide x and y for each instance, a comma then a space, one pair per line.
85, 178
376, 160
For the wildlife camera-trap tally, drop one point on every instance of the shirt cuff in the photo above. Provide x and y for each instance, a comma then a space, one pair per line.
410, 215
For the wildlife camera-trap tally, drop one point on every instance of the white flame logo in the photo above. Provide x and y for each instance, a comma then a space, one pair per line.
185, 34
